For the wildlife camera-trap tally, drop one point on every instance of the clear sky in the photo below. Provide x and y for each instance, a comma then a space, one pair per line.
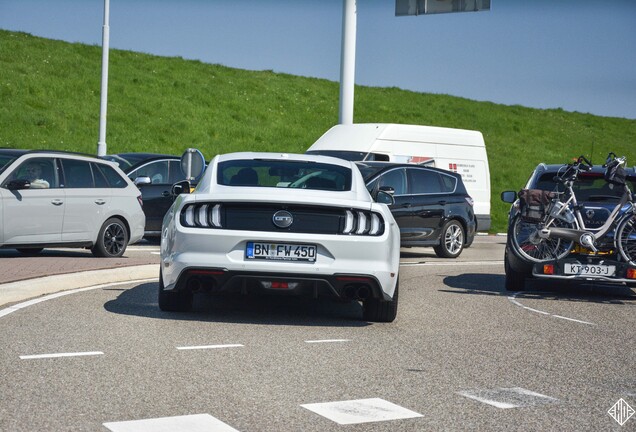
579, 55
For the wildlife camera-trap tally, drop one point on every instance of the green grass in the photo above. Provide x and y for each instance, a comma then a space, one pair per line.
49, 94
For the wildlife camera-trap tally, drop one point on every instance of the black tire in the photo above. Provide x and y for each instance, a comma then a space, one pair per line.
469, 241
173, 301
515, 280
111, 240
30, 251
626, 235
378, 310
451, 242
530, 247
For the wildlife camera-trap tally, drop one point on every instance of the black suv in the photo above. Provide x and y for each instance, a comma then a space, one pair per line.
596, 200
154, 174
432, 207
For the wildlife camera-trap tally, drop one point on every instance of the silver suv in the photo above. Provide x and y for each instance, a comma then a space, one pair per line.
58, 199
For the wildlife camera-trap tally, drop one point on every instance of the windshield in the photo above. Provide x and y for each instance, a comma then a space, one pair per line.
284, 174
351, 155
125, 161
368, 171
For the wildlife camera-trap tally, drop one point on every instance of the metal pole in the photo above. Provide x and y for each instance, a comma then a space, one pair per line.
101, 144
347, 61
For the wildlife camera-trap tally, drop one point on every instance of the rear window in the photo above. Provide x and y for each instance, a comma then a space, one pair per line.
588, 187
115, 180
284, 174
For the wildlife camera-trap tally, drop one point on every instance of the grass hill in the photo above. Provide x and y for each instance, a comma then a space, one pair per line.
49, 93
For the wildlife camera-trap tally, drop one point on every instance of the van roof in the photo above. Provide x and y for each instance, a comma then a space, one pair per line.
362, 136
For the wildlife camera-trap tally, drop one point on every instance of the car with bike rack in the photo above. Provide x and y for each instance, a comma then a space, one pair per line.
573, 222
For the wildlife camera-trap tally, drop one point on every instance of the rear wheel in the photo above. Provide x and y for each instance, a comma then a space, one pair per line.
378, 310
173, 301
451, 242
530, 247
626, 235
111, 240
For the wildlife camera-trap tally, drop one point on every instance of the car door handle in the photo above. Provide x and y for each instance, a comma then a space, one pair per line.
165, 193
100, 202
57, 202
405, 205
442, 202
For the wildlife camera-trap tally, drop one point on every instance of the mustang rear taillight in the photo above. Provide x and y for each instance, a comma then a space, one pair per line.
363, 223
201, 216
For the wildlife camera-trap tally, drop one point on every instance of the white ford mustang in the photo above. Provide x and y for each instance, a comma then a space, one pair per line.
284, 223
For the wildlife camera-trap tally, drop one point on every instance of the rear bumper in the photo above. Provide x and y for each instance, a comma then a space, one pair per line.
342, 286
557, 268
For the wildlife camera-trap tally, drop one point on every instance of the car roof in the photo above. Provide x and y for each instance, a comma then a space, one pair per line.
20, 152
138, 158
283, 156
596, 169
384, 166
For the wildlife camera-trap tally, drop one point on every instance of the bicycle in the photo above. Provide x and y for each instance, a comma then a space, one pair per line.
548, 224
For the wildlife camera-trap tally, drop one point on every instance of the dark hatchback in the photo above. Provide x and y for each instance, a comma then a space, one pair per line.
432, 207
154, 174
596, 198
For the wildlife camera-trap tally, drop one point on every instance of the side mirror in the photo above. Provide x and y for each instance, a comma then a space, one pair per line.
385, 197
388, 189
182, 187
144, 180
18, 184
509, 196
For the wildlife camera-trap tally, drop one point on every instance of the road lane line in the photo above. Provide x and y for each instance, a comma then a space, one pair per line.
514, 301
454, 263
15, 307
57, 355
199, 347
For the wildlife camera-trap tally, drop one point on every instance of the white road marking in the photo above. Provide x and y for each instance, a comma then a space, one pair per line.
327, 340
361, 411
506, 398
199, 347
57, 355
514, 301
454, 263
10, 309
187, 423
142, 248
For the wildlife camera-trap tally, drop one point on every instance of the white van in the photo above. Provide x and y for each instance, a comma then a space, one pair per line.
458, 150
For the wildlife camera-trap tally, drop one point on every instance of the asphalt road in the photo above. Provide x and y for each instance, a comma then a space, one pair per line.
462, 355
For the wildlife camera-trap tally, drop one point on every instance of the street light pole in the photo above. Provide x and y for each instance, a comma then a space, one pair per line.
347, 62
101, 144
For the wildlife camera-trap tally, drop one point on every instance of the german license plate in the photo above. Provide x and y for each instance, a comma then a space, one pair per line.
589, 269
280, 251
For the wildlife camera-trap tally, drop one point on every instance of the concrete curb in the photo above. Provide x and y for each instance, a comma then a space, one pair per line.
27, 289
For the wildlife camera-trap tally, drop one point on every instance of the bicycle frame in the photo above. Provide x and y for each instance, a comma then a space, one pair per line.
580, 233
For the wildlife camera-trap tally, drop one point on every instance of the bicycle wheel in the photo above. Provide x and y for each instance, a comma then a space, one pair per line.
626, 239
529, 246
